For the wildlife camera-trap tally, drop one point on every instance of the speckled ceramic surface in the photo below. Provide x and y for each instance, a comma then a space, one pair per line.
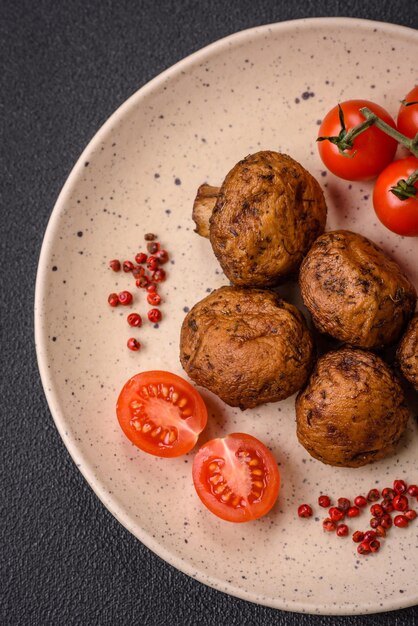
265, 88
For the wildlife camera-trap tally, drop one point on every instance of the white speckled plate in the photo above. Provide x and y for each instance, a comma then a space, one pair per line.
266, 88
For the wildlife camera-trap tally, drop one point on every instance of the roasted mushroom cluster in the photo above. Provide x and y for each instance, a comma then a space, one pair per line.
248, 346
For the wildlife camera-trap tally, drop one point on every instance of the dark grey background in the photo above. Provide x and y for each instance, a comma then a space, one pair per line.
64, 68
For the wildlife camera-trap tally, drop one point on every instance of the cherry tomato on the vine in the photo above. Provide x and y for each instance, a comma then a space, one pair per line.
400, 216
236, 477
407, 121
371, 151
161, 413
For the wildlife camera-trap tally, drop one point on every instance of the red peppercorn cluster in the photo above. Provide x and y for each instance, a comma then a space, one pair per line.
394, 498
145, 278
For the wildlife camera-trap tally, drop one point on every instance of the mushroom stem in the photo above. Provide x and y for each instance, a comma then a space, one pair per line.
203, 206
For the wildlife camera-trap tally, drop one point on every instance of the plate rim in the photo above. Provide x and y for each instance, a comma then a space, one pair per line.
58, 414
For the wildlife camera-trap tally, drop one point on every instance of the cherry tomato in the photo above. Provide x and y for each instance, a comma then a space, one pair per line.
161, 413
236, 477
372, 150
400, 216
407, 121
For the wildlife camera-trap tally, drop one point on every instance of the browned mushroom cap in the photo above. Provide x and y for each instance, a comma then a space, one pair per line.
355, 292
247, 346
352, 411
407, 354
265, 217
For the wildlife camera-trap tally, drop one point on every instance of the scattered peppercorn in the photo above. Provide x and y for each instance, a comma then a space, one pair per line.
304, 510
133, 344
373, 495
360, 501
324, 501
342, 530
113, 299
140, 258
114, 265
134, 319
400, 486
401, 521
154, 315
125, 298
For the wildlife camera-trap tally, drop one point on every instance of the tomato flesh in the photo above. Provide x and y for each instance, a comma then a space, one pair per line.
400, 216
161, 413
372, 150
236, 477
407, 120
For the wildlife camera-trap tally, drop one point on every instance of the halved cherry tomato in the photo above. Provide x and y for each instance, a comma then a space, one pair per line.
400, 216
372, 150
236, 477
407, 121
161, 413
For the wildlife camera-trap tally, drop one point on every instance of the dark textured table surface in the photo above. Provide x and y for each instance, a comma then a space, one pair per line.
64, 68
